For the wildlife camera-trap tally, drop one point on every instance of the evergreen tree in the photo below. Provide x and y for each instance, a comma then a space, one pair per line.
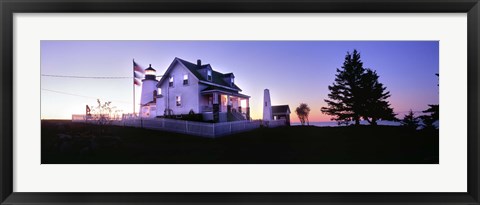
430, 119
433, 116
356, 94
410, 121
374, 98
344, 103
434, 111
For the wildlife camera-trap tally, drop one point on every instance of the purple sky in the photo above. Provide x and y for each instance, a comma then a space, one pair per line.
294, 71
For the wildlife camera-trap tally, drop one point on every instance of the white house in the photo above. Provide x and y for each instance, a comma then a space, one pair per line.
186, 87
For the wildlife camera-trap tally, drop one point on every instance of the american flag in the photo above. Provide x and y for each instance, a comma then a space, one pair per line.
137, 68
137, 73
136, 82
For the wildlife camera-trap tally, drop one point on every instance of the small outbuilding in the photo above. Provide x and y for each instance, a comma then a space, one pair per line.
281, 112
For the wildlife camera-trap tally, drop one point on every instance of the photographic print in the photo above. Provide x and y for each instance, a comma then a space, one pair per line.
239, 102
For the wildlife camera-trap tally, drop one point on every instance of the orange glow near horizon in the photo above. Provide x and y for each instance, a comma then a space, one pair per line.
314, 116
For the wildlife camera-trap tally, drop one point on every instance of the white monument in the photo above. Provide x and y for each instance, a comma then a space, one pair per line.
267, 106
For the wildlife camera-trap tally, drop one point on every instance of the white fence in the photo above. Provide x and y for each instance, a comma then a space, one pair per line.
204, 129
78, 118
226, 128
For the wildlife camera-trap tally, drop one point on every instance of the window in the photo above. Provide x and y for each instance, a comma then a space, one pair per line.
185, 79
232, 81
159, 91
178, 100
209, 75
170, 83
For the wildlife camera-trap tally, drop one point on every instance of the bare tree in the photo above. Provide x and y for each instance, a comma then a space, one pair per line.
302, 112
104, 113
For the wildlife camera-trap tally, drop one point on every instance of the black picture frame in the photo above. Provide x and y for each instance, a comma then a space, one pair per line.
9, 7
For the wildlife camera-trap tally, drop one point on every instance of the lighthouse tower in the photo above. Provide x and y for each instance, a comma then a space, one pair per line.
267, 106
149, 93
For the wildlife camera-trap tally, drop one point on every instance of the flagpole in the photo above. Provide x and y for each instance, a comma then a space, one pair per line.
133, 87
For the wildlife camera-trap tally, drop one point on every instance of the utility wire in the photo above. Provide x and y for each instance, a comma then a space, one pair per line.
91, 97
90, 77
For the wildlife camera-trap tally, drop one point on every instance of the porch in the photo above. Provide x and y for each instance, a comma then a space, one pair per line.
234, 105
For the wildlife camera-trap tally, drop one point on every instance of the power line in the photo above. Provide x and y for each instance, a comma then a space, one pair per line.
90, 77
84, 96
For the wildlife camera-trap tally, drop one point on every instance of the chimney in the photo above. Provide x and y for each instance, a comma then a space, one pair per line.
199, 62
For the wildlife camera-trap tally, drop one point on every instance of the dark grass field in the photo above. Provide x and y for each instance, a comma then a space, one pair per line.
64, 142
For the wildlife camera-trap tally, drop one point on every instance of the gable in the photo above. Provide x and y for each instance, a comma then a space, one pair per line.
217, 77
172, 66
192, 68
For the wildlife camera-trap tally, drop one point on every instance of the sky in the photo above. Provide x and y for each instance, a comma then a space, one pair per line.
294, 71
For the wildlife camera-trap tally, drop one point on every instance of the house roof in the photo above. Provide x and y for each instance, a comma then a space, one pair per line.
280, 109
212, 89
209, 88
217, 77
193, 68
